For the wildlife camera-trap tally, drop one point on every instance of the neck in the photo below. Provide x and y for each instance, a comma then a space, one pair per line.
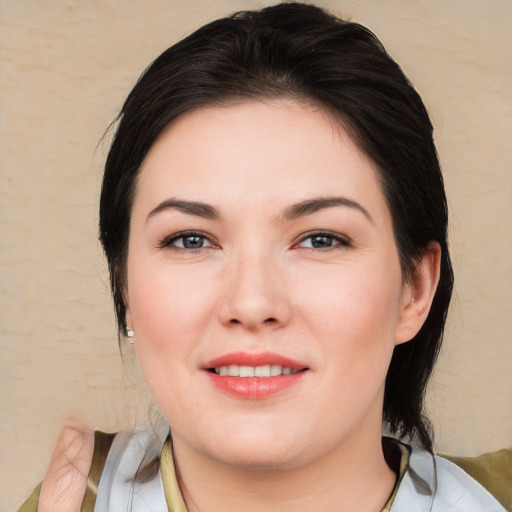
353, 476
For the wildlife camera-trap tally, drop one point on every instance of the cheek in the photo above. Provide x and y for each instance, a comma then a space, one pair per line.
169, 306
355, 310
169, 315
357, 293
172, 311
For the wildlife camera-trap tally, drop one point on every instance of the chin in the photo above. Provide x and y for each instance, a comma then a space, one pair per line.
259, 449
257, 458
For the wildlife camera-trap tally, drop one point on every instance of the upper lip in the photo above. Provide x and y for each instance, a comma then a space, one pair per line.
254, 359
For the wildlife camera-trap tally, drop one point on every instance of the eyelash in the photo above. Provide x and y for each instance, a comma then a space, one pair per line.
168, 242
339, 240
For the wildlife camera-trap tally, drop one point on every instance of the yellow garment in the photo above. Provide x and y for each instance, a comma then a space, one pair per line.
492, 470
173, 496
404, 464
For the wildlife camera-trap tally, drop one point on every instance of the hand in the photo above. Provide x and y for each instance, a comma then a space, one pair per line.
65, 482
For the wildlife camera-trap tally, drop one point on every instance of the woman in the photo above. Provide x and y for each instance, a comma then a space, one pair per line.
274, 219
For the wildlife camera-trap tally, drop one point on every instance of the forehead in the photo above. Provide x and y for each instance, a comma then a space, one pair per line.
254, 152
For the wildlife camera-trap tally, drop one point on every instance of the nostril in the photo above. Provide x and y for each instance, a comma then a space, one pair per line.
235, 321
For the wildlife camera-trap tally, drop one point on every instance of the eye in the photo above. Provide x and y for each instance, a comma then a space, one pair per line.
323, 240
189, 240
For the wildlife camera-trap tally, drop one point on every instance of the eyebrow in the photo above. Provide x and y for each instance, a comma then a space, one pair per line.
189, 207
292, 212
313, 205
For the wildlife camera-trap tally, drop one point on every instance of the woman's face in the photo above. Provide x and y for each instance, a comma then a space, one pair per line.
261, 244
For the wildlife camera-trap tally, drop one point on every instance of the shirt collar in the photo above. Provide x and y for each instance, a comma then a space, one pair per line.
409, 480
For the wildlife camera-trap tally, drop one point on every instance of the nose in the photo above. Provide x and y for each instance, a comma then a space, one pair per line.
255, 296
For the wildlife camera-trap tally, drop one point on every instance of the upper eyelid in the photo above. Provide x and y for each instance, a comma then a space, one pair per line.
167, 241
337, 236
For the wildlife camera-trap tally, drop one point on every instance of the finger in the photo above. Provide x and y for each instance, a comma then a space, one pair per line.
65, 482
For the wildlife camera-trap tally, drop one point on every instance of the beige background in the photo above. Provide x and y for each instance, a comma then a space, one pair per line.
65, 68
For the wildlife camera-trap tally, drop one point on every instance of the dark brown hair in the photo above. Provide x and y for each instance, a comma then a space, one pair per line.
301, 51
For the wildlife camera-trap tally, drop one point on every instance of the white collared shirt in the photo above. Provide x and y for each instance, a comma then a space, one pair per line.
430, 483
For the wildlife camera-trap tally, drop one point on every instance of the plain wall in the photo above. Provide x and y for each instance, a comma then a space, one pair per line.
65, 69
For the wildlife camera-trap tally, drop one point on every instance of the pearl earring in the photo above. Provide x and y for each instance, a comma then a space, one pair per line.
130, 333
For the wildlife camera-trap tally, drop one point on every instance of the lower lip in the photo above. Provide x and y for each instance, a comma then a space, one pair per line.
254, 388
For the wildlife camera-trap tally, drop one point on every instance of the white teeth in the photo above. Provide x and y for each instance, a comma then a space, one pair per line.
269, 370
246, 371
275, 369
262, 371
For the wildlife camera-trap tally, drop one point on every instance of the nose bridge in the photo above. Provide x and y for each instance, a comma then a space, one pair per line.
254, 295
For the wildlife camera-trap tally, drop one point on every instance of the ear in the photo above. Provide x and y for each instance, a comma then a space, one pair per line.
419, 294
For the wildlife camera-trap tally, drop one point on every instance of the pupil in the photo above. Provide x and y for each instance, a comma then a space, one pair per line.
193, 242
322, 241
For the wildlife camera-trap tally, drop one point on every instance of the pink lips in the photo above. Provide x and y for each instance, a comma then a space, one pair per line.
259, 359
254, 387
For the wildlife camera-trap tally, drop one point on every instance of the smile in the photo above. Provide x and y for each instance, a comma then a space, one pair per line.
252, 376
268, 370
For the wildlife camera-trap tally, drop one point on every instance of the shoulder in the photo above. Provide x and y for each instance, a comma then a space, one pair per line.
131, 477
456, 488
492, 470
125, 472
433, 483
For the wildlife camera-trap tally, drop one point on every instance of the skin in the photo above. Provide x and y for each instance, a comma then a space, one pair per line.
65, 482
257, 284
